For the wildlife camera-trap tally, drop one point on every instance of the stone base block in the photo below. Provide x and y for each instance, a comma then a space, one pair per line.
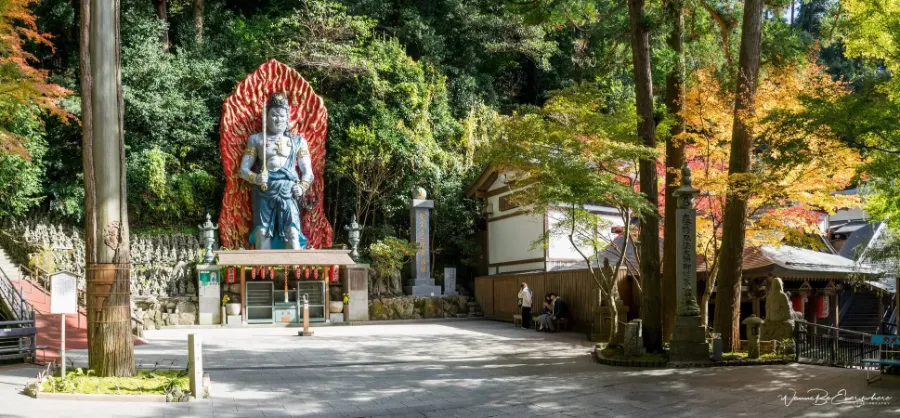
337, 317
422, 290
309, 333
420, 282
234, 319
688, 340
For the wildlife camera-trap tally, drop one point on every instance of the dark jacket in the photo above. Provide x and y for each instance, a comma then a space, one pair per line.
560, 309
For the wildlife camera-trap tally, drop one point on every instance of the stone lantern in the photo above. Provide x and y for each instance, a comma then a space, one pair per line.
353, 235
208, 238
753, 324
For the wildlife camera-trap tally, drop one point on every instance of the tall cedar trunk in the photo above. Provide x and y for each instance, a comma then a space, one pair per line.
162, 14
728, 294
649, 234
110, 344
198, 21
674, 161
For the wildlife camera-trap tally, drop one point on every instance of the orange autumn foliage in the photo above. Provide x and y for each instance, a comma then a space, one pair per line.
21, 84
792, 180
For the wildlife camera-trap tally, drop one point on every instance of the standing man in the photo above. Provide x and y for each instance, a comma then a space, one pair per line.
525, 297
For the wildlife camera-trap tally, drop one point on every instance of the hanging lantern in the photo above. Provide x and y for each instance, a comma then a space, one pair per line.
334, 273
306, 272
297, 272
253, 273
797, 303
316, 272
230, 275
822, 306
272, 272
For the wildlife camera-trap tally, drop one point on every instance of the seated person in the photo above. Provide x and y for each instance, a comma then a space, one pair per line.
543, 320
560, 310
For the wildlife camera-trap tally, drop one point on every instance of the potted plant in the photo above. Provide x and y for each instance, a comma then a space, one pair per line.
231, 308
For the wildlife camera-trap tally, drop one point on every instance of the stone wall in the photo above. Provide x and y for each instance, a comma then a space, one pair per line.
409, 307
163, 274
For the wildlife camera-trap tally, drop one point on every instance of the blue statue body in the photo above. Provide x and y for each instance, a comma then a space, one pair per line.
276, 211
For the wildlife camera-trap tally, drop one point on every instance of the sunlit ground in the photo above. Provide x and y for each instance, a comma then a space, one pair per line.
467, 369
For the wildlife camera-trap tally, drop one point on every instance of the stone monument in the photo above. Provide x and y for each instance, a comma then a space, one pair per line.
633, 346
421, 283
689, 337
779, 323
449, 281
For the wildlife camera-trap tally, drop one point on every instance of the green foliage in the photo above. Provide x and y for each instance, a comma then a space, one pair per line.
145, 382
389, 254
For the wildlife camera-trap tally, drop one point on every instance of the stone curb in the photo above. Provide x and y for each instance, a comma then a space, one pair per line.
627, 363
100, 398
324, 324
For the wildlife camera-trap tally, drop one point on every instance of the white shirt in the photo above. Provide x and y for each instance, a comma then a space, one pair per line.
525, 295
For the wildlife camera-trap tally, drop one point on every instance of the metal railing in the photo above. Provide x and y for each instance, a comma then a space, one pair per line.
820, 344
14, 300
18, 335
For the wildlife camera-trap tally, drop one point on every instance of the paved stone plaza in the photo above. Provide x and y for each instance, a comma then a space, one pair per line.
470, 368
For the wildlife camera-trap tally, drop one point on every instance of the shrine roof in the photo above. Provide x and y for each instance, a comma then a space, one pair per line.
284, 258
786, 260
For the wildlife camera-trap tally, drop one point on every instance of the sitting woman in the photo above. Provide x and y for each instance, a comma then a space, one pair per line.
543, 321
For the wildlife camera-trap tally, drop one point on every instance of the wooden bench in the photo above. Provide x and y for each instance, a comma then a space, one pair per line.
884, 340
562, 324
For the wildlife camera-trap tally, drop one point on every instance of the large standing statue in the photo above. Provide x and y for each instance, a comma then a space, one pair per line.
296, 121
779, 323
278, 185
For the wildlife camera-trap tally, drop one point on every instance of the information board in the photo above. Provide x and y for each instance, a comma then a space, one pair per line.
63, 293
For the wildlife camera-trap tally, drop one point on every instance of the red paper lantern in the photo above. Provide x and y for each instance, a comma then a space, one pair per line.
797, 303
230, 276
822, 306
253, 273
306, 272
316, 272
272, 273
297, 272
334, 273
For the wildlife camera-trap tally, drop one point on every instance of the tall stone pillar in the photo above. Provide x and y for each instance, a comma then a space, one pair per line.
421, 283
689, 337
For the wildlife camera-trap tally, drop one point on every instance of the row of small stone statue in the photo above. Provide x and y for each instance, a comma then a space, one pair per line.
144, 249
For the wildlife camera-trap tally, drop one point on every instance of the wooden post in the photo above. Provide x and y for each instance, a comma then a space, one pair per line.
195, 365
62, 346
243, 295
327, 300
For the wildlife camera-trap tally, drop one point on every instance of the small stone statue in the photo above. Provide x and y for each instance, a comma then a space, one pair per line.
353, 235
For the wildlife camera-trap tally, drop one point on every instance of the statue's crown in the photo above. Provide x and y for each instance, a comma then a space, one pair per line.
278, 100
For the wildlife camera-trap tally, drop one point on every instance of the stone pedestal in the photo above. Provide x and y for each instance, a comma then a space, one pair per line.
355, 281
689, 341
234, 319
210, 295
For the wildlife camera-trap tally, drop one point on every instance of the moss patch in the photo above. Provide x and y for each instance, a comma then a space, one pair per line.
145, 382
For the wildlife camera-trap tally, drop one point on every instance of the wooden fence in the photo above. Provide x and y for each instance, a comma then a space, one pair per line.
498, 294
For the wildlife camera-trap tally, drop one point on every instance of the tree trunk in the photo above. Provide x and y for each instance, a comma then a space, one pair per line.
198, 21
674, 161
728, 294
162, 14
110, 344
649, 234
